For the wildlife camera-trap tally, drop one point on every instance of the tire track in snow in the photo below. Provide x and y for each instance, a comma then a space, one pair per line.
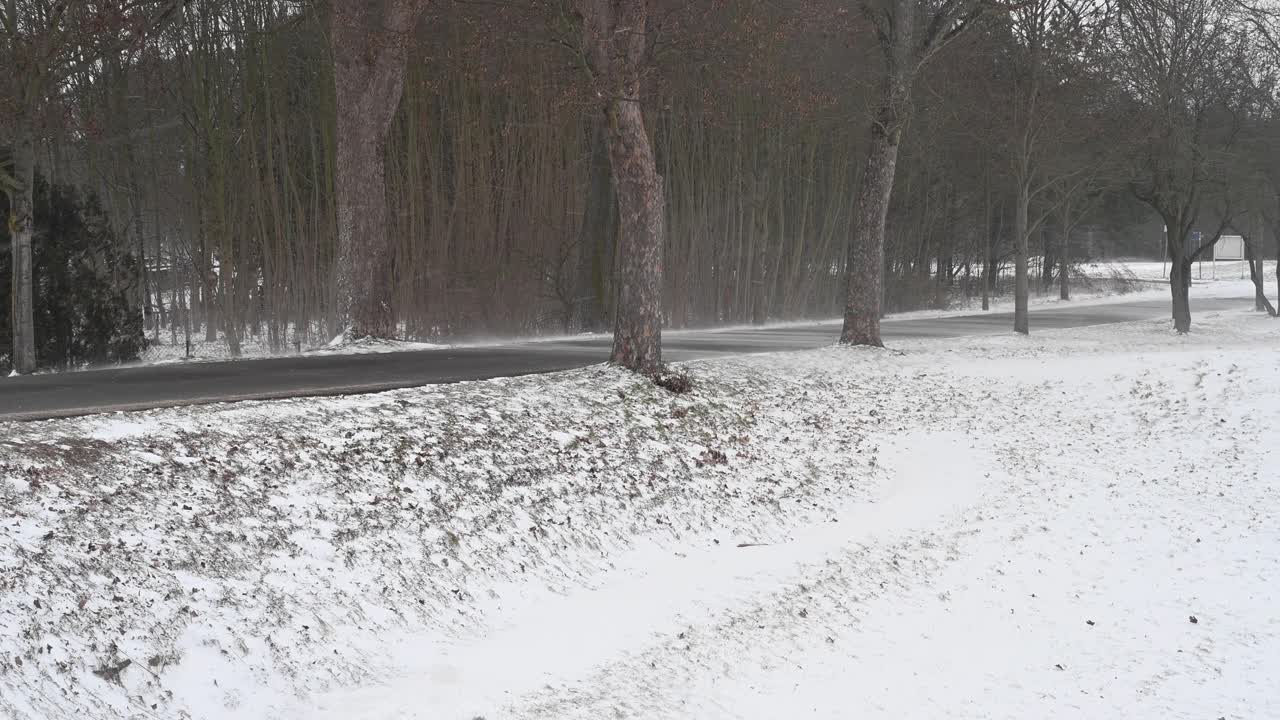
586, 643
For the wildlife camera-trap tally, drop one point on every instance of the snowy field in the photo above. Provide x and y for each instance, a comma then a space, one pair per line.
1207, 271
1082, 524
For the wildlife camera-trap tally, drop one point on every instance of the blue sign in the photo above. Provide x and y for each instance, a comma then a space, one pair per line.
1192, 244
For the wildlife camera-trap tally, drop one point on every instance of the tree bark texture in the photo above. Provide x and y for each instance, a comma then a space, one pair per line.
370, 41
21, 228
1179, 277
1180, 287
1022, 285
864, 292
616, 48
865, 270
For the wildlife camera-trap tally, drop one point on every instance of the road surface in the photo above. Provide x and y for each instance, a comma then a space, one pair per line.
70, 394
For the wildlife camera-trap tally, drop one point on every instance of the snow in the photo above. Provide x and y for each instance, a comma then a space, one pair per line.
1144, 282
164, 352
994, 527
1224, 271
120, 426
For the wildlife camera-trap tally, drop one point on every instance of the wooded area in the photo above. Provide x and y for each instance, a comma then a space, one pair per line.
437, 170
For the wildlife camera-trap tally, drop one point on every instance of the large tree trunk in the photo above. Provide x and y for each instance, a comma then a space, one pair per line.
865, 270
616, 47
364, 248
1021, 319
637, 332
1180, 287
1179, 276
370, 41
22, 224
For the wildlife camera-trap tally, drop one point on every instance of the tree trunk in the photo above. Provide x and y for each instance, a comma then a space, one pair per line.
1064, 269
637, 330
1064, 273
188, 302
1179, 274
1260, 301
175, 306
21, 225
1021, 319
364, 248
1180, 287
616, 47
987, 230
1047, 260
865, 271
370, 52
1259, 298
144, 308
230, 317
209, 304
760, 264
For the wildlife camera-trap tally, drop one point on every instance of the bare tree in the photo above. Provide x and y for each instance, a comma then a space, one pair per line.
370, 42
1071, 200
1264, 18
615, 45
909, 34
1182, 69
1253, 257
1052, 39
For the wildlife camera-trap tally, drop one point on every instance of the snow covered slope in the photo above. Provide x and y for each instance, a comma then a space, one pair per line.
1080, 524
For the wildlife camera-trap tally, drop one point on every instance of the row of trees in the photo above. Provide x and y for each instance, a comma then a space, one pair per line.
427, 169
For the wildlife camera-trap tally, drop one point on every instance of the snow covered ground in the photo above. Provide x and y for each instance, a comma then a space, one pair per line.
1079, 524
166, 351
1207, 271
1226, 282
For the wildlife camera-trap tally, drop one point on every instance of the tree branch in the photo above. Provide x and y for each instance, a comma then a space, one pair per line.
121, 44
1227, 218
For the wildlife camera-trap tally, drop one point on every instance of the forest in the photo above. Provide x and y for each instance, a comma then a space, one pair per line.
301, 170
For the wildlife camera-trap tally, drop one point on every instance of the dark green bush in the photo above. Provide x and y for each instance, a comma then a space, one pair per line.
83, 279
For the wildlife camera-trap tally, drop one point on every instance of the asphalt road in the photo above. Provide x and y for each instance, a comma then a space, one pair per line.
136, 388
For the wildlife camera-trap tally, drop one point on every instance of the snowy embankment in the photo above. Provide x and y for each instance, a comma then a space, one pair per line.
1080, 524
